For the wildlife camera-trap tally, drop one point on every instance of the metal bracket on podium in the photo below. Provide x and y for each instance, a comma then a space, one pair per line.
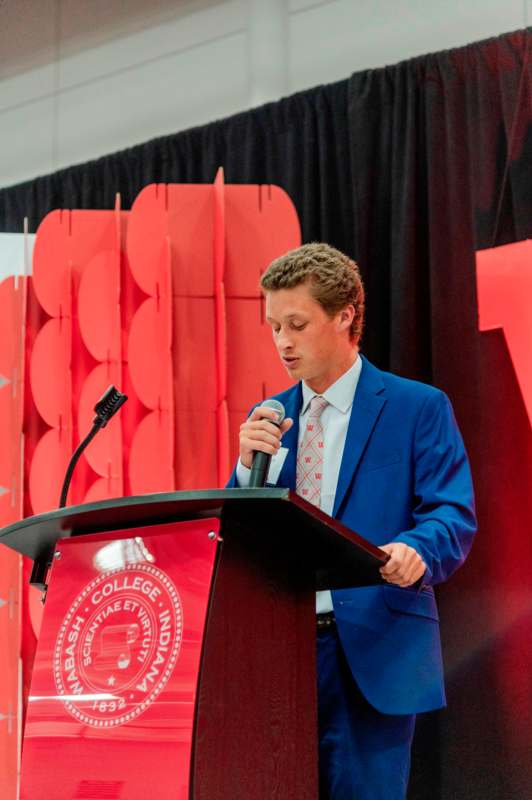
39, 573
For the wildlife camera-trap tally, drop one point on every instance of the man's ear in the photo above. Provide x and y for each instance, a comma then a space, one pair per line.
345, 318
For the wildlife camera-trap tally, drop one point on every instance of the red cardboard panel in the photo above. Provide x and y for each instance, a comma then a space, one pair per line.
131, 414
261, 224
149, 354
78, 256
6, 421
10, 636
223, 449
219, 236
194, 360
93, 232
104, 489
151, 459
66, 242
196, 458
219, 307
10, 327
51, 264
254, 369
245, 371
6, 509
99, 306
183, 216
195, 391
147, 236
50, 376
220, 315
12, 319
48, 468
504, 286
104, 453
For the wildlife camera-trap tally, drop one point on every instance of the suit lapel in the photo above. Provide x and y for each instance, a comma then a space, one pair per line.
367, 406
292, 406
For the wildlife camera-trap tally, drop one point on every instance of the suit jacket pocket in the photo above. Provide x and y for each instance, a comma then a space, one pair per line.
410, 601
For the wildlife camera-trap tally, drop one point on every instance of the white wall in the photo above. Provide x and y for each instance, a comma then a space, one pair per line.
83, 78
16, 254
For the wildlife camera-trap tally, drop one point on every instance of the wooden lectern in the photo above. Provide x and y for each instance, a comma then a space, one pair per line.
177, 651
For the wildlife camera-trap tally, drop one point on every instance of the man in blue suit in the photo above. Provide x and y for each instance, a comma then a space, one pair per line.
389, 463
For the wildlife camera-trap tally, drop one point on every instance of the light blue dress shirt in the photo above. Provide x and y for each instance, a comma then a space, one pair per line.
335, 421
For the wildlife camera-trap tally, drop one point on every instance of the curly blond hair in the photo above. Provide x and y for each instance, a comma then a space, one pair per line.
333, 278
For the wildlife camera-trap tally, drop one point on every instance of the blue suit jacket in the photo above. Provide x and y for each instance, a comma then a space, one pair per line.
404, 477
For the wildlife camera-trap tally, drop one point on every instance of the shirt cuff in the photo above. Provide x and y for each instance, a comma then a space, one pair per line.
242, 475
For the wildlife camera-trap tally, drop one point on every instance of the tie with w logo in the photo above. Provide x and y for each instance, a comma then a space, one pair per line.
310, 454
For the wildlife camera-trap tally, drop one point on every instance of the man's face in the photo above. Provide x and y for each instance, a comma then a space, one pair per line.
313, 346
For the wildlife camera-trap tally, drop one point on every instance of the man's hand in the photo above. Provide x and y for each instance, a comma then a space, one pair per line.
405, 566
258, 432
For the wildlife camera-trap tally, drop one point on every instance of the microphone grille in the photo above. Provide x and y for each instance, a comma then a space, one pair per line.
277, 406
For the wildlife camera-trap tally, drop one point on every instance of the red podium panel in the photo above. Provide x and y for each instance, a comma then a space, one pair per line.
115, 677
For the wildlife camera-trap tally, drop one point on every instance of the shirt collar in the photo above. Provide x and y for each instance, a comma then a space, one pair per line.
341, 393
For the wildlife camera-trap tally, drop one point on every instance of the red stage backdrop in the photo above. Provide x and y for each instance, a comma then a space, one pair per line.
162, 301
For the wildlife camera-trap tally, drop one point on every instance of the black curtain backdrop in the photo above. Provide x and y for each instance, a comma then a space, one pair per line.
409, 169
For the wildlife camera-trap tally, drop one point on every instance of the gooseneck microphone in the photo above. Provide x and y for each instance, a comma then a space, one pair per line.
105, 408
261, 461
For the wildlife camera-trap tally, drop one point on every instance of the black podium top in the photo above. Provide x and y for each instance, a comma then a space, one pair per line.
342, 557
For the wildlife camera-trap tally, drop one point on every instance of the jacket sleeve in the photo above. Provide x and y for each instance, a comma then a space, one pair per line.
234, 481
444, 508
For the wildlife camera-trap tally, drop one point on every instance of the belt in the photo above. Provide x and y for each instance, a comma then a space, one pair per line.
325, 621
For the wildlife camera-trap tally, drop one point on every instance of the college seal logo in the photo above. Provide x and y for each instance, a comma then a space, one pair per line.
118, 645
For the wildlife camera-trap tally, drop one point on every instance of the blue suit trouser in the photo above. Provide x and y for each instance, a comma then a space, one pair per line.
363, 754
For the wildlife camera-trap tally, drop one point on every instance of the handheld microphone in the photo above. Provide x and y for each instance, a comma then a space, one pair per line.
105, 408
261, 461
